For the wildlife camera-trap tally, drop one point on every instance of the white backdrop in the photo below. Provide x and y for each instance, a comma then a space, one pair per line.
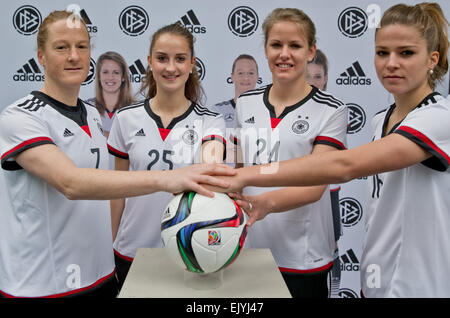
223, 30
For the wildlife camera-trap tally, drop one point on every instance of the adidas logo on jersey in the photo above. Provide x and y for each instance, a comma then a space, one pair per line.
251, 120
67, 133
191, 23
29, 72
140, 132
137, 72
353, 75
349, 262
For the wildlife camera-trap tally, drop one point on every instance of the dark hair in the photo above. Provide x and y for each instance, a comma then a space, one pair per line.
125, 96
243, 57
430, 21
193, 89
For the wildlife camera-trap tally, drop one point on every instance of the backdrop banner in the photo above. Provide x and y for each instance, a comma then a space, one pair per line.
223, 30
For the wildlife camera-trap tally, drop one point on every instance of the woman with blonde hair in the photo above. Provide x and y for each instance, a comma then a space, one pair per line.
405, 251
55, 226
283, 120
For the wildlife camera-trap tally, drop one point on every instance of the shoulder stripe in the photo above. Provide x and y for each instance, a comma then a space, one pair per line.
256, 91
138, 104
90, 102
32, 104
327, 99
199, 110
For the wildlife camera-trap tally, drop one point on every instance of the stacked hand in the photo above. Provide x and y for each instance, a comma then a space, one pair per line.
255, 206
200, 178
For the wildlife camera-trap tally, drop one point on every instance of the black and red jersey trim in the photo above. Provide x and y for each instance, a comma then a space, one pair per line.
86, 289
214, 137
234, 140
117, 153
27, 144
126, 258
329, 142
440, 160
218, 138
306, 271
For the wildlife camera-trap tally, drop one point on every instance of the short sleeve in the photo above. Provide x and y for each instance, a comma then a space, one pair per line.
116, 143
20, 130
334, 132
214, 129
428, 126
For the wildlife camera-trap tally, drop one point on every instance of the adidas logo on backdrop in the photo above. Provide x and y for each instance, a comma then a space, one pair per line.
353, 75
191, 22
349, 262
29, 72
90, 27
137, 72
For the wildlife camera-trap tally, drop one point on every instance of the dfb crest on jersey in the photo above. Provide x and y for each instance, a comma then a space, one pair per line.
190, 137
300, 126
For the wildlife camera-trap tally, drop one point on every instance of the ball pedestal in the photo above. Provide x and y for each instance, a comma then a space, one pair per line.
203, 281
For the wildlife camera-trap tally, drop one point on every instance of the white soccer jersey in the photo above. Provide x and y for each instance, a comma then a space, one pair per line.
50, 245
107, 117
138, 135
302, 239
107, 120
406, 250
227, 109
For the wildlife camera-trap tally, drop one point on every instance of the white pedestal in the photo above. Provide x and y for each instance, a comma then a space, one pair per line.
254, 274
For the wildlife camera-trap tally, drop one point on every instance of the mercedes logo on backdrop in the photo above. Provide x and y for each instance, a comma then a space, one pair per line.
243, 21
26, 20
353, 22
133, 20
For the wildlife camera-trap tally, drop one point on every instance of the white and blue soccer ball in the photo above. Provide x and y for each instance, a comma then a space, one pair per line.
202, 234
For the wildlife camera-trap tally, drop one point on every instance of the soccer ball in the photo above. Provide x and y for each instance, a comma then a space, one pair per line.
202, 234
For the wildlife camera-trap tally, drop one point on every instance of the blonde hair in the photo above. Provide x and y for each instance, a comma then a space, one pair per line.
42, 35
125, 95
291, 15
431, 23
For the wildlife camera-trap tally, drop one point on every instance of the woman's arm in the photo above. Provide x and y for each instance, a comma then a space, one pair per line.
212, 151
118, 205
259, 206
390, 153
50, 164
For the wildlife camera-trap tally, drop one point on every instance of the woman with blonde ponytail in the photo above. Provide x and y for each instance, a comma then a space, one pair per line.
406, 250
